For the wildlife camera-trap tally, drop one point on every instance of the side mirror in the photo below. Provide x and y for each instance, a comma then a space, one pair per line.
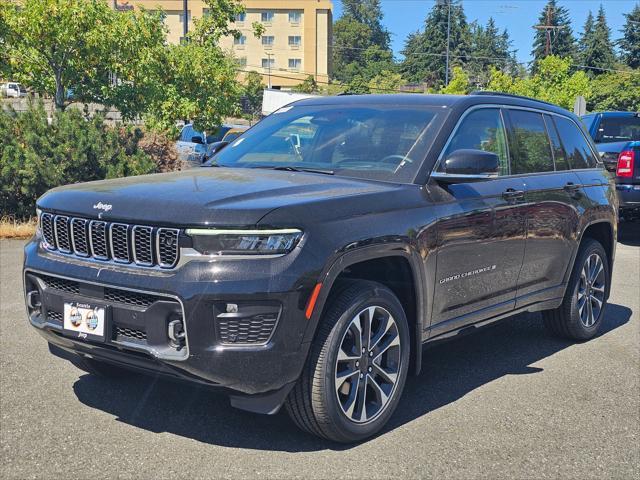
215, 148
197, 139
472, 162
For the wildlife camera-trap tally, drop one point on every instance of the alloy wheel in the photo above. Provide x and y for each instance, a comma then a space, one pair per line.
591, 290
368, 364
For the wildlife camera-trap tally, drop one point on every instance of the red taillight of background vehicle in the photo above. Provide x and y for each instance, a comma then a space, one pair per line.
626, 160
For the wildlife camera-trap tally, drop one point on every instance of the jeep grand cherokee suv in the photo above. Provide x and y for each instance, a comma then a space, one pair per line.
311, 259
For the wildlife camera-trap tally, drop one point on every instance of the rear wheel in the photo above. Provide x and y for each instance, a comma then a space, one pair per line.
582, 310
357, 367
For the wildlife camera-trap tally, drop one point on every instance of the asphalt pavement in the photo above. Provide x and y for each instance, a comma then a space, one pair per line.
510, 401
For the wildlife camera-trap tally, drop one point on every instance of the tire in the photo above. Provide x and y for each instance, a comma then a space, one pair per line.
328, 398
574, 319
103, 369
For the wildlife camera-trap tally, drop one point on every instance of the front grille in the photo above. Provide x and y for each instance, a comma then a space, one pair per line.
129, 298
106, 241
54, 317
61, 284
254, 330
130, 333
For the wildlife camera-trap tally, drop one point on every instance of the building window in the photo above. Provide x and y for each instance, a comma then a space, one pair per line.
182, 17
295, 63
295, 17
267, 17
241, 40
295, 40
268, 62
241, 61
241, 17
268, 40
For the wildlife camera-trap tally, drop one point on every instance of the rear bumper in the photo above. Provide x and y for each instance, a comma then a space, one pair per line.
255, 353
628, 195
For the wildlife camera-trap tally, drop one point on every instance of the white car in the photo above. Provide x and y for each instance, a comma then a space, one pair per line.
13, 90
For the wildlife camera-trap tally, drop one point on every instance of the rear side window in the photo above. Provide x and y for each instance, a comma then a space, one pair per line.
579, 154
532, 152
618, 129
482, 129
188, 133
559, 156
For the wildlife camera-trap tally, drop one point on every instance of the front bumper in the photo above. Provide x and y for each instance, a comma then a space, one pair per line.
244, 335
628, 195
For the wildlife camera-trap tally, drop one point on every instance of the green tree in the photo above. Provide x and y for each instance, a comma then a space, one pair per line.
386, 82
424, 51
615, 91
253, 93
557, 40
595, 46
553, 82
308, 86
489, 48
630, 42
360, 42
459, 84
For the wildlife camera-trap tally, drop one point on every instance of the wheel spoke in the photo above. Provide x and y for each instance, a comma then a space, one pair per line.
381, 396
388, 376
382, 331
395, 341
344, 356
349, 406
343, 377
362, 395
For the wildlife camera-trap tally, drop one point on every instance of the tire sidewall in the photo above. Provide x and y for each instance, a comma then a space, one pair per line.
382, 297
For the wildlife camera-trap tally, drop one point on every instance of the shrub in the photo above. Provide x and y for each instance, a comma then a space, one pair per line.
37, 154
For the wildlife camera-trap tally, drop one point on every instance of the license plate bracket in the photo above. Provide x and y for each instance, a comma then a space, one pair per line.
85, 321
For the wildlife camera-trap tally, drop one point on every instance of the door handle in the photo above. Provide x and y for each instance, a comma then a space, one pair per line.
511, 194
571, 187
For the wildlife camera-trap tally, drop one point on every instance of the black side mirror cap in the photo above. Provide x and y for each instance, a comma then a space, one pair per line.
472, 162
197, 139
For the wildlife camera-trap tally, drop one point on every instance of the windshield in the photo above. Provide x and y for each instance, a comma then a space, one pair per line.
618, 129
381, 142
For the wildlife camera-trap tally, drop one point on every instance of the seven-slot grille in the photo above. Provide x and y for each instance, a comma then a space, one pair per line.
138, 244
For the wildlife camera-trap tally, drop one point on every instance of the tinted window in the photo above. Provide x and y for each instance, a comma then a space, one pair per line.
385, 142
588, 121
482, 130
188, 132
532, 151
579, 155
618, 129
559, 156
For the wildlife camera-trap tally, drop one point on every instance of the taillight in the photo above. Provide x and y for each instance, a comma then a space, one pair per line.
625, 163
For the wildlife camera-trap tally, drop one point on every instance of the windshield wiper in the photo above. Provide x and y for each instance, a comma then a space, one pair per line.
290, 168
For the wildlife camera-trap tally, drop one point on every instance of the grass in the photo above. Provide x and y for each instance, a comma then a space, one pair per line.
17, 229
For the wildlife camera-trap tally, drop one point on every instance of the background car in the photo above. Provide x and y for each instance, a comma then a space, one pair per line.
234, 133
13, 90
617, 136
193, 145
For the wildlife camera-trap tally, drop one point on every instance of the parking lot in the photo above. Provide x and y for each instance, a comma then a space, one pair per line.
508, 402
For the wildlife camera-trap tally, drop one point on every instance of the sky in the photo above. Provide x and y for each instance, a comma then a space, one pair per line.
401, 17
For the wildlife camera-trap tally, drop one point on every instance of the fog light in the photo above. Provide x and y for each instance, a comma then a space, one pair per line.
33, 301
176, 333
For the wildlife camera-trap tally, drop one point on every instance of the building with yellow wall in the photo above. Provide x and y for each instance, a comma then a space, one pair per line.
296, 42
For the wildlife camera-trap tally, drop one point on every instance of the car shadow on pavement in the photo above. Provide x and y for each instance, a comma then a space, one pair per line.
450, 371
629, 233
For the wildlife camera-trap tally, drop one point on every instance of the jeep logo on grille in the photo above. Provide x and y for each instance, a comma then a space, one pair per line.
103, 206
169, 241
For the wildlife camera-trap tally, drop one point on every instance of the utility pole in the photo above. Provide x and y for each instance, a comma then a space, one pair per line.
269, 55
185, 25
446, 81
548, 28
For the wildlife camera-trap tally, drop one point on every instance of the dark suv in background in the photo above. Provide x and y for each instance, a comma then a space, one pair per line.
310, 260
617, 137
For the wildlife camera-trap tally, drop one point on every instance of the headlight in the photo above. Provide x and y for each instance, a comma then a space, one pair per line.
38, 222
244, 242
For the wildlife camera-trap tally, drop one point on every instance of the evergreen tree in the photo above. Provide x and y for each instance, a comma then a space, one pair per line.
425, 52
595, 46
489, 49
557, 40
630, 42
360, 42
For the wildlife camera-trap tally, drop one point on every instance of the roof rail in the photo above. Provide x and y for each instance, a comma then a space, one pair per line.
510, 95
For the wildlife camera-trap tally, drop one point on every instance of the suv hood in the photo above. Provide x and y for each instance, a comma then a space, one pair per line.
202, 196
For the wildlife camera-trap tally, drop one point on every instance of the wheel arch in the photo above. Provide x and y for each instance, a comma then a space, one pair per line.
357, 263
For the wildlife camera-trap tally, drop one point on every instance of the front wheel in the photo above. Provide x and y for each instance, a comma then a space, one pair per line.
357, 367
582, 310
